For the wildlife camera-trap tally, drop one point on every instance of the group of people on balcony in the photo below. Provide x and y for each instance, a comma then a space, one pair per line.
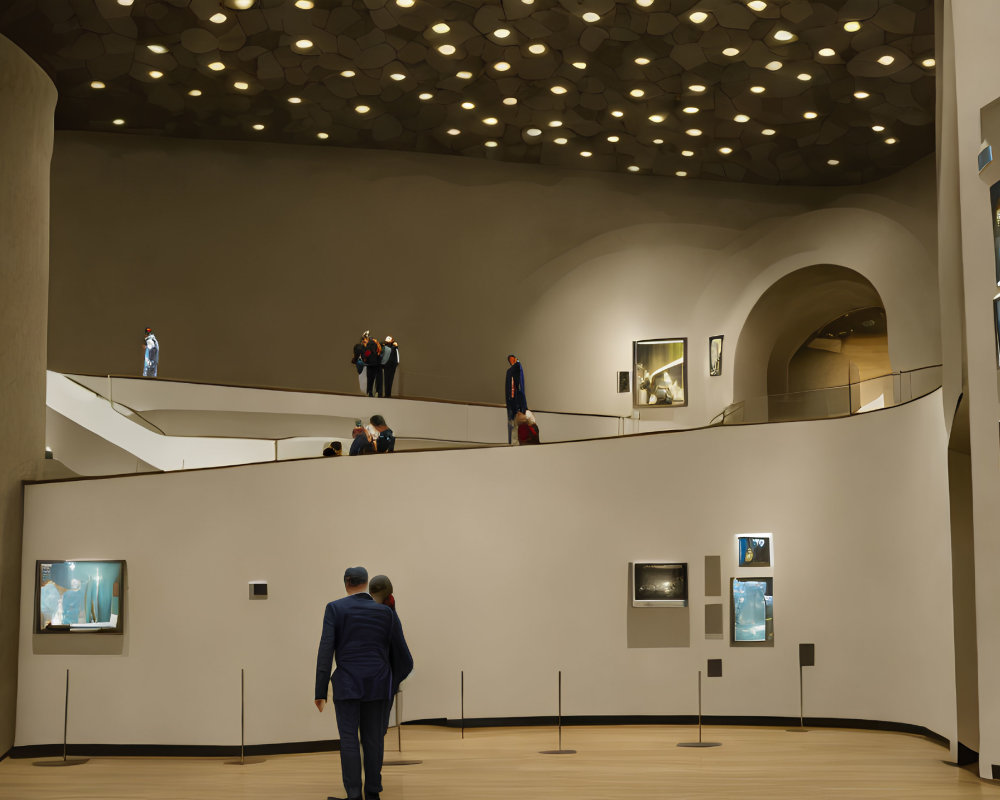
376, 363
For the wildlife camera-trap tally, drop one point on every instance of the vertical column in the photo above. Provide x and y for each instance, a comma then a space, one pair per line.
27, 103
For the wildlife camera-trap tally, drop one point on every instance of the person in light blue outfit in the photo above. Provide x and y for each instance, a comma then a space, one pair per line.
151, 357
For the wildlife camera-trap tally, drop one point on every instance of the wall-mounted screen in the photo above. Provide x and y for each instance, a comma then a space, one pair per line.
753, 550
79, 596
660, 367
659, 583
751, 612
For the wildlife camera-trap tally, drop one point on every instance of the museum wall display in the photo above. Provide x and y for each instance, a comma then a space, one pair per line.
259, 249
511, 604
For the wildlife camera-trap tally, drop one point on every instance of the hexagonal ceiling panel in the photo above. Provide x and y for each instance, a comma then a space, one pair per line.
760, 91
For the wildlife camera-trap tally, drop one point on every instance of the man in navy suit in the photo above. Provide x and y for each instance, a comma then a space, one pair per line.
366, 638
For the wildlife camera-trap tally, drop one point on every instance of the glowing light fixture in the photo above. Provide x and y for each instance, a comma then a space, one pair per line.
741, 118
758, 89
125, 3
804, 76
305, 5
585, 154
591, 16
878, 128
731, 51
398, 76
833, 162
97, 85
425, 96
810, 115
768, 132
637, 93
453, 131
240, 5
861, 95
784, 36
257, 127
216, 66
468, 105
827, 52
890, 141
642, 61
490, 121
580, 64
687, 153
613, 138
195, 93
644, 3
852, 26
556, 123
441, 27
698, 17
446, 49
501, 66
557, 89
617, 113
509, 101
657, 141
632, 168
404, 3
691, 109
322, 135
537, 48
533, 132
464, 74
561, 140
697, 88
241, 85
347, 73
218, 19
693, 132
118, 121
773, 66
657, 118
159, 49
362, 109
725, 150
885, 61
680, 173
501, 33
491, 143
304, 44
294, 100
757, 5
928, 62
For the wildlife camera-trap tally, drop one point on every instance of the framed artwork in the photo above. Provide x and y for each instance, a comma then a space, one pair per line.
996, 326
715, 356
995, 216
660, 369
753, 550
659, 583
79, 596
751, 612
623, 382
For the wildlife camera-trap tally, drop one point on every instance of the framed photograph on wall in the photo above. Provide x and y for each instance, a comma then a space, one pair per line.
751, 612
753, 550
715, 356
995, 216
79, 596
996, 325
659, 583
660, 369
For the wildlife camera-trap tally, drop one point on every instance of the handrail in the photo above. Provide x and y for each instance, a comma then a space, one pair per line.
833, 394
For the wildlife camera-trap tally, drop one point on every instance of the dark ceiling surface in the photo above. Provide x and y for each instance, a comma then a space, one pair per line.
789, 94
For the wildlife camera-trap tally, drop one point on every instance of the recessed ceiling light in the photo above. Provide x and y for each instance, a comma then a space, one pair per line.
632, 168
725, 150
501, 33
741, 118
827, 52
491, 143
773, 65
804, 76
537, 48
218, 19
294, 100
768, 131
580, 64
241, 85
693, 132
322, 135
305, 5
398, 76
558, 89
928, 62
698, 17
757, 89
533, 132
591, 16
585, 154
304, 44
216, 66
637, 93
528, 2
464, 74
425, 96
885, 61
657, 118
833, 162
642, 61
731, 51
687, 153
441, 27
784, 36
861, 95
509, 101
453, 131
810, 115
362, 109
691, 109
757, 5
257, 127
348, 73
195, 93
490, 121
613, 138
680, 173
468, 105
657, 141
97, 84
156, 48
852, 26
404, 3
240, 5
878, 128
617, 113
561, 140
644, 3
696, 87
501, 66
890, 141
118, 121
125, 3
446, 49
555, 123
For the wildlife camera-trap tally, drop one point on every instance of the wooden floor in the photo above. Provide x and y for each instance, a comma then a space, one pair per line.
503, 763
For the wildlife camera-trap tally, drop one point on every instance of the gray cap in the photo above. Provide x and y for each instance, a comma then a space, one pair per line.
355, 576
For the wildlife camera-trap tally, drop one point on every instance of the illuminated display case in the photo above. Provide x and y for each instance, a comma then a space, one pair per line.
660, 369
79, 596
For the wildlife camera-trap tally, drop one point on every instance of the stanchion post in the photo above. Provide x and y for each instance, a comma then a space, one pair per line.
244, 761
65, 761
461, 695
399, 762
560, 751
715, 670
807, 658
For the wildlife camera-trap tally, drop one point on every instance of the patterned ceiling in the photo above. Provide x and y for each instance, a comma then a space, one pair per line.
760, 91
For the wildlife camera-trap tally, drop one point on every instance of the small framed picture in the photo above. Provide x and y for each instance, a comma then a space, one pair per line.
996, 325
715, 356
753, 550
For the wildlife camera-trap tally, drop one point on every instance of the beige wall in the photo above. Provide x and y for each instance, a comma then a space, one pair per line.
510, 563
27, 100
262, 264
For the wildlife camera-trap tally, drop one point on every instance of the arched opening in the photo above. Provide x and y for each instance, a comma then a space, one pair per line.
786, 346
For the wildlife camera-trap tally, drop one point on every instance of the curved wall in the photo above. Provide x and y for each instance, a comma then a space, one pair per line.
261, 265
510, 563
27, 98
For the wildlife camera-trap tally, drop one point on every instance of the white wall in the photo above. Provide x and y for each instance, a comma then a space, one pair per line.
510, 563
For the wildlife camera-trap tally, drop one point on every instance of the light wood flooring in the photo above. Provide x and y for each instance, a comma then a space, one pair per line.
504, 763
